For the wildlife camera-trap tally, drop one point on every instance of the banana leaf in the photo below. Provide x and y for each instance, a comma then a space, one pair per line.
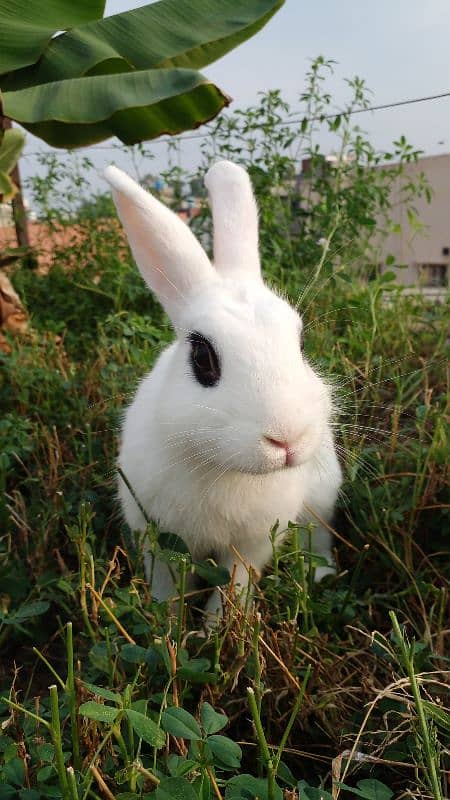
170, 33
132, 75
27, 26
132, 106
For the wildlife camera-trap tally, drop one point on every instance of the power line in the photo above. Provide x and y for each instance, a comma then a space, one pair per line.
281, 123
375, 108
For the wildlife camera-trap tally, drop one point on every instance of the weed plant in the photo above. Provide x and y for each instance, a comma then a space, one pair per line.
330, 690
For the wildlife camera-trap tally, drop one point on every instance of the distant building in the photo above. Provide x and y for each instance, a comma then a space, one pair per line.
5, 214
422, 258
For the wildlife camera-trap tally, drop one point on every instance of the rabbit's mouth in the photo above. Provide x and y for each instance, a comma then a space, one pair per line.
285, 450
281, 452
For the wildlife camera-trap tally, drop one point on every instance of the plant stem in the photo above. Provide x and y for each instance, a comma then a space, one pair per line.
120, 741
84, 521
49, 667
408, 663
262, 741
27, 713
57, 742
354, 578
72, 784
257, 679
103, 786
292, 718
146, 773
181, 593
305, 594
133, 494
88, 778
72, 697
110, 614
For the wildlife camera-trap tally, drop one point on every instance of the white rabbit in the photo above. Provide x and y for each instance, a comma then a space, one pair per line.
230, 431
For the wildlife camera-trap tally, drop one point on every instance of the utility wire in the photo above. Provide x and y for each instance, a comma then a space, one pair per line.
293, 121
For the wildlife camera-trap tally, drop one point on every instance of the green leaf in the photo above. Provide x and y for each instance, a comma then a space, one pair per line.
375, 790
7, 190
175, 789
193, 676
213, 574
285, 775
179, 722
226, 750
146, 729
211, 720
246, 787
126, 796
27, 611
45, 752
7, 792
99, 712
437, 714
31, 610
133, 106
101, 692
27, 26
44, 773
11, 146
387, 277
306, 792
202, 787
171, 33
369, 789
170, 541
14, 772
179, 765
172, 557
195, 670
135, 654
132, 75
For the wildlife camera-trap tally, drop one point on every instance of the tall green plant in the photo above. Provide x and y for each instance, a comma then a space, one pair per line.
321, 207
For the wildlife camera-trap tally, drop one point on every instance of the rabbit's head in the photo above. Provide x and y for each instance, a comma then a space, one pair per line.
239, 392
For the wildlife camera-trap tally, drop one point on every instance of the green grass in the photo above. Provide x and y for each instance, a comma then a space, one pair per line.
340, 685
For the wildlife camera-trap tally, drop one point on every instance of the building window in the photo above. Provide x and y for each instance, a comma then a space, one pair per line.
433, 275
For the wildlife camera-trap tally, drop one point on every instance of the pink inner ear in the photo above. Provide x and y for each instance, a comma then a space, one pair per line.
168, 255
235, 219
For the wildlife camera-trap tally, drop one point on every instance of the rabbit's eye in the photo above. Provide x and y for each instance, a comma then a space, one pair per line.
302, 341
204, 360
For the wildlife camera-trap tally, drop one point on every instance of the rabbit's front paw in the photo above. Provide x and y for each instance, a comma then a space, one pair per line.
213, 611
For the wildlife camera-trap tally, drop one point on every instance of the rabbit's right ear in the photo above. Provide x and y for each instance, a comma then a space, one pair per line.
235, 218
168, 255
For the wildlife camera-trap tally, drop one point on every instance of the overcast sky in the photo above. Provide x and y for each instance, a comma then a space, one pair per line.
400, 47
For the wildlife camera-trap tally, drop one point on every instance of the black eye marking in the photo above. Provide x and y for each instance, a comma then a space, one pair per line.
204, 360
302, 341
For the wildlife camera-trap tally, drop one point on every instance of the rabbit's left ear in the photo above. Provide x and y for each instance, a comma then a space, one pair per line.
235, 219
170, 258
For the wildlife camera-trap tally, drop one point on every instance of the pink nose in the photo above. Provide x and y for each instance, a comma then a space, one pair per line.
277, 443
283, 446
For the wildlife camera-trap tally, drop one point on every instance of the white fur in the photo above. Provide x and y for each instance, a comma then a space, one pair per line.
197, 457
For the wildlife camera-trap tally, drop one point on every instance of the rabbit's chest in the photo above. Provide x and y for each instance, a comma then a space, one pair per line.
229, 511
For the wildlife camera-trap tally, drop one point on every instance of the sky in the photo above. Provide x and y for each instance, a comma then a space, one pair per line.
400, 47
